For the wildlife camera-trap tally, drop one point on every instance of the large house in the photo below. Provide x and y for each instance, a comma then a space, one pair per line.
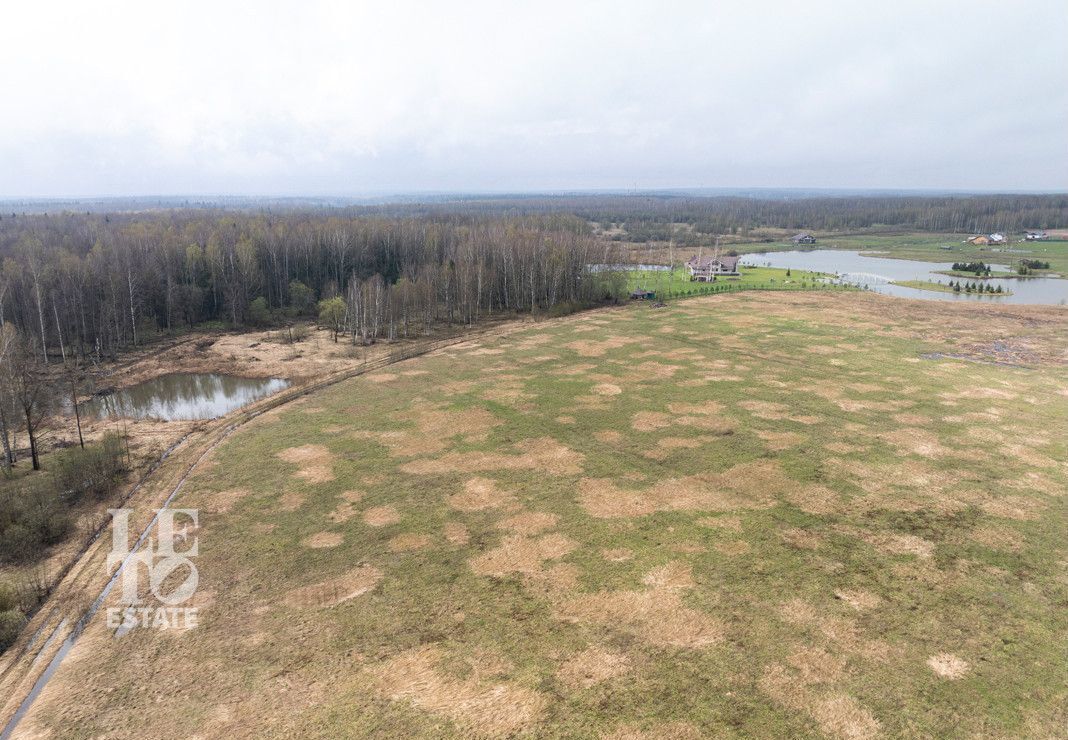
983, 240
804, 238
703, 269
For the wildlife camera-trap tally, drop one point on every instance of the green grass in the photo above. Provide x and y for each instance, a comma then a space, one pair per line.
925, 285
677, 283
836, 457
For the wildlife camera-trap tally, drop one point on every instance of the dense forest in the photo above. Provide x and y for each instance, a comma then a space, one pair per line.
88, 285
652, 213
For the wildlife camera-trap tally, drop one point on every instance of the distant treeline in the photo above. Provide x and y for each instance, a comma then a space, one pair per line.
83, 284
649, 216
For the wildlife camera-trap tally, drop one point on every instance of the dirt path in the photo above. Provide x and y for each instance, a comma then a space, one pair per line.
24, 664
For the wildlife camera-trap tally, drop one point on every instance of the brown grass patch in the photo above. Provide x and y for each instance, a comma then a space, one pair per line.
315, 462
998, 538
646, 420
480, 708
381, 516
523, 555
592, 666
670, 575
336, 590
730, 549
657, 615
801, 539
321, 540
589, 348
607, 389
409, 542
530, 522
291, 501
456, 533
667, 731
480, 494
837, 714
816, 665
815, 499
565, 419
916, 441
224, 501
948, 666
732, 523
778, 441
859, 599
543, 454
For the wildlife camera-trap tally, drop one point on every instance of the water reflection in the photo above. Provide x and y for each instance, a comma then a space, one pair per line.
877, 273
183, 396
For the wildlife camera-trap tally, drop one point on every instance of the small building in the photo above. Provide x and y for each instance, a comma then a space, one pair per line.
1036, 236
981, 240
804, 238
704, 269
640, 294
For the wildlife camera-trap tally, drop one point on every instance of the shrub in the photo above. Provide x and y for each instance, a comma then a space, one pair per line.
11, 623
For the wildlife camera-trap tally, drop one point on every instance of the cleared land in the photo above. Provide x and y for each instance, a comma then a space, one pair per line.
774, 514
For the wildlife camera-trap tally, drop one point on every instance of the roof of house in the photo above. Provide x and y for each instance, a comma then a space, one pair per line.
803, 235
730, 262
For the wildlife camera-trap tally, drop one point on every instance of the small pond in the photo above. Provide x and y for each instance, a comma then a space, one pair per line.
877, 273
182, 396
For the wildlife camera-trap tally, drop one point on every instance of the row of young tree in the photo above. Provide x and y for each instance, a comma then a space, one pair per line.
89, 285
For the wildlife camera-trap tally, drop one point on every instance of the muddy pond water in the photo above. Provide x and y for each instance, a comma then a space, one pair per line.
183, 396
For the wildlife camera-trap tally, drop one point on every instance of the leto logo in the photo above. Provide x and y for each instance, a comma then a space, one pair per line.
172, 575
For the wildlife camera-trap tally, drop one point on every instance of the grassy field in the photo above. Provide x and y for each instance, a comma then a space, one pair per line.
677, 283
929, 248
765, 514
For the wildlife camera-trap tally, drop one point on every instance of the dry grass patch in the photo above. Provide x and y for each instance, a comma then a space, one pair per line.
523, 555
617, 554
543, 454
315, 462
381, 516
291, 501
480, 494
592, 666
224, 501
802, 539
607, 389
456, 533
948, 666
480, 708
730, 549
409, 542
322, 540
836, 713
335, 590
656, 615
816, 665
859, 599
530, 522
778, 441
590, 348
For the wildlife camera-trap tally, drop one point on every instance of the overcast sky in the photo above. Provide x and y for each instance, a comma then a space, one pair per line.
345, 98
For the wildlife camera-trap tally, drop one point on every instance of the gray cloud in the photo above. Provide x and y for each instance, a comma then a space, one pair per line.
346, 98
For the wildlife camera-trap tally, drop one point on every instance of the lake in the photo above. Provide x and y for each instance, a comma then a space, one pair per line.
877, 272
183, 396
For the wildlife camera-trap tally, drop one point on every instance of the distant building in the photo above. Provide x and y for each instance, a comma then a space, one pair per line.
642, 295
1036, 236
983, 240
804, 238
703, 269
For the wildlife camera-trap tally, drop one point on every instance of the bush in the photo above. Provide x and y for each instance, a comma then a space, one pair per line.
33, 516
11, 623
259, 314
94, 471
